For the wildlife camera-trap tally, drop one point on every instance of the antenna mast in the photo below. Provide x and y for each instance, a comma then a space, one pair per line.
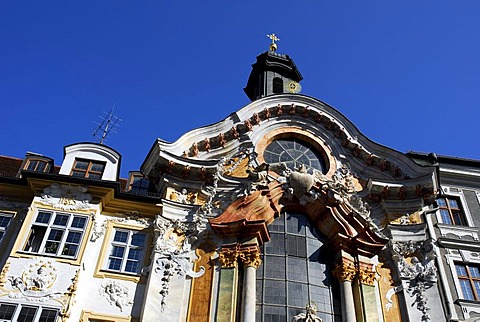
108, 124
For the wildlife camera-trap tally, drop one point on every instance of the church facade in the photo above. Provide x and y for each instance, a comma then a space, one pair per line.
283, 211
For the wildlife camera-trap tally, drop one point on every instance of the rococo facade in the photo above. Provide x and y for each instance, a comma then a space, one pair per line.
283, 211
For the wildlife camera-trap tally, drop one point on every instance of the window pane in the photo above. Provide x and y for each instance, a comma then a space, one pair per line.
4, 220
61, 220
275, 314
51, 247
6, 311
275, 292
78, 174
69, 250
453, 203
276, 245
48, 315
461, 270
83, 165
131, 266
121, 236
43, 217
97, 167
138, 239
297, 294
275, 267
457, 217
41, 166
445, 216
79, 222
135, 254
297, 269
115, 264
94, 176
441, 202
467, 290
27, 314
55, 235
74, 237
474, 271
118, 251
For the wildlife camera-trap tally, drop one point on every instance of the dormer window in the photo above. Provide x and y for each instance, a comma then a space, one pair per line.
88, 169
138, 184
36, 165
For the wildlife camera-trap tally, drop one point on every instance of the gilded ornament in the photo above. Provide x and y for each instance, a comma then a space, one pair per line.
345, 271
251, 258
366, 276
3, 274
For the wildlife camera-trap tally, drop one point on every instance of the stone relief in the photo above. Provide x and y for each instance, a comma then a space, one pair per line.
66, 197
172, 250
309, 316
420, 273
36, 282
98, 229
116, 294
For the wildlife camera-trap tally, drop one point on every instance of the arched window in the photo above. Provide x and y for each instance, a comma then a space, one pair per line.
293, 273
277, 85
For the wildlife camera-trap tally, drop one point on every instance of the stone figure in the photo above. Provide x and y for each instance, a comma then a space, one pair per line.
309, 316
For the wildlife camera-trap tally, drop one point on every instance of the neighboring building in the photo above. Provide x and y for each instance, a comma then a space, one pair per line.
283, 211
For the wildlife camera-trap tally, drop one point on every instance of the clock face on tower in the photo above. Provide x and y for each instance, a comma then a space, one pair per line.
293, 153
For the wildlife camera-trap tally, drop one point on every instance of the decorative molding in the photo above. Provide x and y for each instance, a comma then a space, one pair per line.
420, 273
66, 197
172, 250
116, 294
36, 282
98, 229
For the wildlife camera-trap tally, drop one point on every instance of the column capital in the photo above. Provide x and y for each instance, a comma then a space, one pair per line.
250, 256
228, 257
345, 270
366, 276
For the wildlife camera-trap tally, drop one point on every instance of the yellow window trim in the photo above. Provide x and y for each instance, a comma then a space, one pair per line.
86, 316
101, 272
18, 252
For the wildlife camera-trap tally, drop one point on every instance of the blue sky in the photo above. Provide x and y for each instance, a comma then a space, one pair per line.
407, 73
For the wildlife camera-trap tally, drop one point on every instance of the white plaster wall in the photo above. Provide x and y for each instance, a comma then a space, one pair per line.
88, 295
94, 152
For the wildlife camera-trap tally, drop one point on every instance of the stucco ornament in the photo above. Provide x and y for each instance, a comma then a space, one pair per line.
66, 197
172, 249
116, 294
36, 282
420, 273
98, 230
309, 316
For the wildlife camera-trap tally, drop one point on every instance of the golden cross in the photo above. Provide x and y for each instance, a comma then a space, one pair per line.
273, 45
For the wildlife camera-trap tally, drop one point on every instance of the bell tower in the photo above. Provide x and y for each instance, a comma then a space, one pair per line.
273, 73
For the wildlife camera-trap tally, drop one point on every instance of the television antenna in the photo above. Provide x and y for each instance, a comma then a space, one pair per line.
109, 123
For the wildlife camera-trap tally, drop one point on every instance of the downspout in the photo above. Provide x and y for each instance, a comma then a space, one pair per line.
451, 312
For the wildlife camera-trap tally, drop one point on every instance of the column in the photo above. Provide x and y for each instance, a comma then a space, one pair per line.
250, 257
366, 281
227, 290
345, 272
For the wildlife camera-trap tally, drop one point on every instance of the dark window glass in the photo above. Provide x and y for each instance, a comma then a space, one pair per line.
6, 311
27, 314
294, 153
277, 85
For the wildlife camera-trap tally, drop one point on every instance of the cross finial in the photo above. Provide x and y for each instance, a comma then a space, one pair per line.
273, 45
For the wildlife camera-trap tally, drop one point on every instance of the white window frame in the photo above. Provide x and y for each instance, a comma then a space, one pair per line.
19, 306
449, 193
127, 247
48, 228
3, 230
